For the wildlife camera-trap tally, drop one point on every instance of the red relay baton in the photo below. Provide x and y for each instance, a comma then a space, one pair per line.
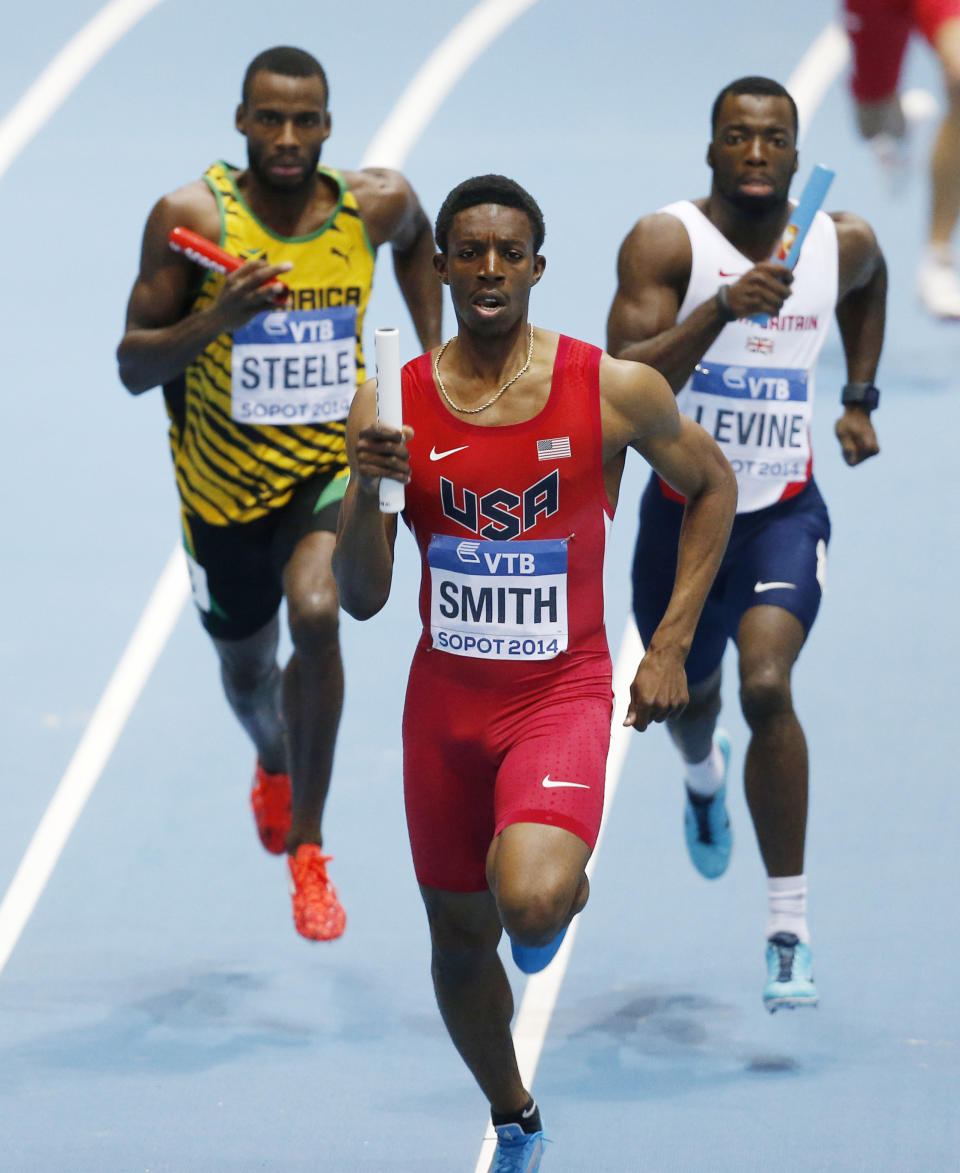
211, 256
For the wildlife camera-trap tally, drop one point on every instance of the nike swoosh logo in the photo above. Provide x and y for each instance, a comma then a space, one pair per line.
528, 1112
435, 455
549, 783
774, 586
722, 274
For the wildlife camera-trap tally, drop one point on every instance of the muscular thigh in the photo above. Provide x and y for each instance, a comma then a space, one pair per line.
778, 558
554, 769
479, 760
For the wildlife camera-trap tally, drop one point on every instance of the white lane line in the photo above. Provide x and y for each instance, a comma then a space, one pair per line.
439, 74
432, 83
813, 76
65, 72
542, 989
93, 752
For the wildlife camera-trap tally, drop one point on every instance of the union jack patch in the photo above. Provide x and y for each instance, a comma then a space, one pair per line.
558, 449
760, 345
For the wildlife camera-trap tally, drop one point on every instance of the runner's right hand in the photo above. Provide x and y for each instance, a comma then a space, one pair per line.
249, 291
762, 290
382, 452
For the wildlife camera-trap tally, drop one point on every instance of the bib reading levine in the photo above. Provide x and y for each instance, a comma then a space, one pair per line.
260, 411
753, 389
511, 521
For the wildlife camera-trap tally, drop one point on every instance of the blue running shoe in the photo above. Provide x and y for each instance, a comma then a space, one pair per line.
517, 1151
533, 960
789, 976
707, 826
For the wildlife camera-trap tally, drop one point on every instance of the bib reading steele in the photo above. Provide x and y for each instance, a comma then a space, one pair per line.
296, 367
498, 600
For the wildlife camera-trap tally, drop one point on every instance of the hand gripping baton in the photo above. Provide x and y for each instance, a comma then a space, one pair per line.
787, 251
389, 406
211, 256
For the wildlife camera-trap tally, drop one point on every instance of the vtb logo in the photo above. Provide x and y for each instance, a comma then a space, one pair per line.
501, 515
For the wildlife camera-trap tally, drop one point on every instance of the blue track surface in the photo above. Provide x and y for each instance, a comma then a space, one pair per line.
159, 1013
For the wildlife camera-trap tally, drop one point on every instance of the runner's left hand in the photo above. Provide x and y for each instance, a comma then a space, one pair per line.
659, 689
858, 440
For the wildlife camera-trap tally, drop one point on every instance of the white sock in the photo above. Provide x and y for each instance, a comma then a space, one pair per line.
787, 901
705, 778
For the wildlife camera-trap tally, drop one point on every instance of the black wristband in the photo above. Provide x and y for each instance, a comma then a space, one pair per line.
863, 395
723, 304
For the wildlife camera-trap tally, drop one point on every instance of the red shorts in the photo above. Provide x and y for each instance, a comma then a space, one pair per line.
484, 748
879, 30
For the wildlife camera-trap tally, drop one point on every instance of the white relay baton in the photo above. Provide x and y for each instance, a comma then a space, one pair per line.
389, 406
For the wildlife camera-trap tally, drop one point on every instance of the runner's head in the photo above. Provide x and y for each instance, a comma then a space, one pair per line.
753, 151
489, 232
283, 116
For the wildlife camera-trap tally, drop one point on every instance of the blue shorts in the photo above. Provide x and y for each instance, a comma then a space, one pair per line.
775, 556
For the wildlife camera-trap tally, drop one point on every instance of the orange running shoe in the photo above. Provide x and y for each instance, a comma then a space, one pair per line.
272, 800
317, 913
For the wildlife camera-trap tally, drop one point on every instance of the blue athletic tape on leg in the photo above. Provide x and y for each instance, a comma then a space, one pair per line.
533, 960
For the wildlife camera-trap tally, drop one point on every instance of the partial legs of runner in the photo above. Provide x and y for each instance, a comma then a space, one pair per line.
473, 992
775, 772
945, 162
312, 682
537, 885
692, 731
252, 682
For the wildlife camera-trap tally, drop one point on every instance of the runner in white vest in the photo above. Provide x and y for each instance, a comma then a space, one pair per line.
691, 279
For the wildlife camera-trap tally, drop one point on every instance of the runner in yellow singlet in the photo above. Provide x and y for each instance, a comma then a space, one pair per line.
257, 395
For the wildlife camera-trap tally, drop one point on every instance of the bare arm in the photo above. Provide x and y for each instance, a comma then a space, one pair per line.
393, 215
161, 339
653, 270
640, 410
861, 317
363, 556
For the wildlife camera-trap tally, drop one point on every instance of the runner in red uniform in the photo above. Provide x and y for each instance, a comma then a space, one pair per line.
879, 31
512, 451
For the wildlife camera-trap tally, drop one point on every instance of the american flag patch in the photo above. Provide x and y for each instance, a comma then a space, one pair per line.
760, 345
557, 449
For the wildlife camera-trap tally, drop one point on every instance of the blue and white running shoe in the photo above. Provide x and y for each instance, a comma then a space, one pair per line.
517, 1151
532, 960
706, 824
789, 974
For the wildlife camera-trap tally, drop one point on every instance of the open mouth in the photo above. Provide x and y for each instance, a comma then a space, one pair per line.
489, 303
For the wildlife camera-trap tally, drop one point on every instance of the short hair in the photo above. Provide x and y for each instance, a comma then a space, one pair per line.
761, 86
488, 189
287, 61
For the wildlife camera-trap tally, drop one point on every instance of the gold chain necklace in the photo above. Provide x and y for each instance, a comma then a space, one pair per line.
490, 402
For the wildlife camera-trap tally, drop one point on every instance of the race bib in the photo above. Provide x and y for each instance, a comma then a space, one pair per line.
498, 600
759, 415
296, 367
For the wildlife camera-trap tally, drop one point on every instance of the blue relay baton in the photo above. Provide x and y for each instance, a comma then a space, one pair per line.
787, 251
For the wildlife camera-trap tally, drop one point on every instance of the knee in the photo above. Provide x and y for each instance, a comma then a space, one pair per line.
533, 912
249, 677
765, 693
314, 622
